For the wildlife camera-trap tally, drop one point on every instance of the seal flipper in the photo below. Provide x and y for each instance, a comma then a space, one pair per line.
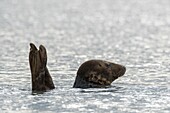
34, 65
48, 79
43, 56
41, 78
40, 81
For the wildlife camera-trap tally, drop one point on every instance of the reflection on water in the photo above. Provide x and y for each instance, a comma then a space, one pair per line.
134, 33
101, 90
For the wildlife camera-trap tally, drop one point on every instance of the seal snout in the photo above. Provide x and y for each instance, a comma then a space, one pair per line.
122, 70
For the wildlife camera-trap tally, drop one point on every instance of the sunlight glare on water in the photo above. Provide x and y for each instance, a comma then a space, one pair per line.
132, 33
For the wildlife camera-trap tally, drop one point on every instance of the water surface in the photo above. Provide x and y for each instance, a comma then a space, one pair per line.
133, 33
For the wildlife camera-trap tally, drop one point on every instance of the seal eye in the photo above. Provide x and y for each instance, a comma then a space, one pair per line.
100, 65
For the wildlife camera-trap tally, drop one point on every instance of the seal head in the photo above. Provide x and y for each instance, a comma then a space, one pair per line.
97, 73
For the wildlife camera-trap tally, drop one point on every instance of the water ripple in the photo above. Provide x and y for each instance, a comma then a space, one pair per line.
134, 33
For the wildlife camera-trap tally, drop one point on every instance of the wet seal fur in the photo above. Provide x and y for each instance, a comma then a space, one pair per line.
41, 78
91, 74
97, 74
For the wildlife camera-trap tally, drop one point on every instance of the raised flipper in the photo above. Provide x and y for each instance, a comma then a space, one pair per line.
41, 78
48, 80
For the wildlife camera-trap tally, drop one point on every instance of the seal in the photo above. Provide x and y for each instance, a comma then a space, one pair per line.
41, 78
98, 74
91, 74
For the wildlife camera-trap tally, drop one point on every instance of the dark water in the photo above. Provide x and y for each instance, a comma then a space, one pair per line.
134, 33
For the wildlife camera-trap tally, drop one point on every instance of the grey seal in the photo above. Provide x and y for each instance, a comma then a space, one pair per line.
98, 73
91, 74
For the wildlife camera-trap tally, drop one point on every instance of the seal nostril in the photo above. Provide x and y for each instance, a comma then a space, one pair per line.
124, 69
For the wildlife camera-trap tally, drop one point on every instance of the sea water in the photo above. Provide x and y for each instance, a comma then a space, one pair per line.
134, 33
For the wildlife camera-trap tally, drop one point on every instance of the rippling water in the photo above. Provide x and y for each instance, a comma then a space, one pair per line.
133, 33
